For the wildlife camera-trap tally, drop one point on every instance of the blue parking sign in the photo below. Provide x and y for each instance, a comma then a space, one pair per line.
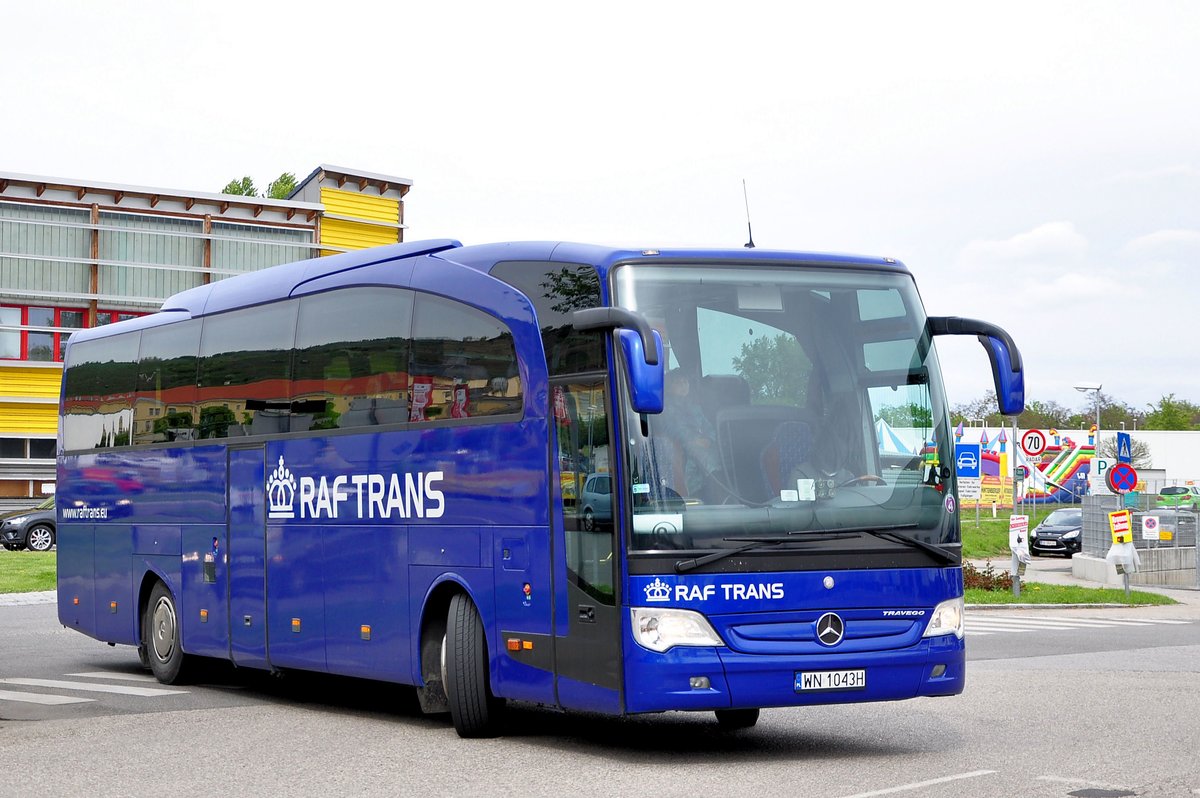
966, 459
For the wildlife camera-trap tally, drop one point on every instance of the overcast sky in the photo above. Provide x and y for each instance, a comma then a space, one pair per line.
1035, 164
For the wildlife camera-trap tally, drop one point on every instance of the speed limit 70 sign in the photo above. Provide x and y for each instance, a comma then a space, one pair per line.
1033, 442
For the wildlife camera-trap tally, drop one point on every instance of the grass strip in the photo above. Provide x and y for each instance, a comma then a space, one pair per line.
27, 571
1038, 593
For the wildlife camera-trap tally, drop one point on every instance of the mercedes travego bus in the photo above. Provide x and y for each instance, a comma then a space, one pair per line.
617, 481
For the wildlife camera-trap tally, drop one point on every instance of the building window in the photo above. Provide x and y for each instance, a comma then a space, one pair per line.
26, 448
29, 332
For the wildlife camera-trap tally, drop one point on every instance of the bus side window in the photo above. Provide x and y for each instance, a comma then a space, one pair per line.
165, 408
464, 363
99, 378
245, 362
351, 359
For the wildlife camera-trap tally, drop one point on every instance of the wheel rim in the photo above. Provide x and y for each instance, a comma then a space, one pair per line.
40, 538
162, 633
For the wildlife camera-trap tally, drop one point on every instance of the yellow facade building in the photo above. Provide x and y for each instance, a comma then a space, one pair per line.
76, 254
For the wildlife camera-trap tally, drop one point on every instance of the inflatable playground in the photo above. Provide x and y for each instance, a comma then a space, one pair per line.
1058, 475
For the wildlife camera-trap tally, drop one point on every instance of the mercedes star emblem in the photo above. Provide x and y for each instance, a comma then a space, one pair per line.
830, 629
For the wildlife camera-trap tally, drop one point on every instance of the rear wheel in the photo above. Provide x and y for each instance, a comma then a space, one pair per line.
162, 638
734, 719
40, 538
473, 708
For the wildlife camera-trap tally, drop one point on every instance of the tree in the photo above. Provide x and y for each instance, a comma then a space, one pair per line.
1043, 415
776, 369
244, 187
1172, 413
1112, 414
909, 415
1139, 451
985, 408
279, 188
282, 186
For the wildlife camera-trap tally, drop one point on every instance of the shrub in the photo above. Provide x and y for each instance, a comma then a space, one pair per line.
987, 579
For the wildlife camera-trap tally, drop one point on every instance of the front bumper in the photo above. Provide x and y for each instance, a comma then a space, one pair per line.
1055, 545
738, 680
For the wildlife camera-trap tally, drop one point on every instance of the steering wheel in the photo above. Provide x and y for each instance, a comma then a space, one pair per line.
865, 479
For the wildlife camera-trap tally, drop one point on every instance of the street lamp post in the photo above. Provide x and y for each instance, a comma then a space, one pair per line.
1094, 388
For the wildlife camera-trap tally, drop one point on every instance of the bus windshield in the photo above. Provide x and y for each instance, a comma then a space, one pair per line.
800, 400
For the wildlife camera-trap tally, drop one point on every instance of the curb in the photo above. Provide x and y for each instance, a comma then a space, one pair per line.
1056, 606
27, 599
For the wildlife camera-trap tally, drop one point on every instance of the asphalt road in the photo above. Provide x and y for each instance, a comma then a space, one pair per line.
1058, 703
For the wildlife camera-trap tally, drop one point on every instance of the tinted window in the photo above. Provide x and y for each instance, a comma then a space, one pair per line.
165, 409
351, 360
557, 290
463, 363
98, 387
245, 358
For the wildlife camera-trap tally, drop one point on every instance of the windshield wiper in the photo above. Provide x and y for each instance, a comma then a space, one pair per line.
816, 535
750, 543
890, 533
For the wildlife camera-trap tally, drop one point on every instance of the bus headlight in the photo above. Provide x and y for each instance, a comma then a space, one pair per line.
660, 629
947, 619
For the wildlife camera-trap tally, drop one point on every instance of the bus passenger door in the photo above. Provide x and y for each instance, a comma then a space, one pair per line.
246, 547
587, 645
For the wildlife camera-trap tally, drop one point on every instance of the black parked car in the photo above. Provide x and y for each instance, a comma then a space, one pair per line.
34, 528
1060, 533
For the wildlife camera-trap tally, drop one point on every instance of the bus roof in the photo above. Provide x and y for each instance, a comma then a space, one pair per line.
278, 282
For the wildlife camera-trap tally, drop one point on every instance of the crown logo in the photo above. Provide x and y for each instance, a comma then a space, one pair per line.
658, 590
281, 492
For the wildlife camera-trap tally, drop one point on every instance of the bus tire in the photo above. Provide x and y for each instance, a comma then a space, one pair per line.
473, 709
162, 637
734, 719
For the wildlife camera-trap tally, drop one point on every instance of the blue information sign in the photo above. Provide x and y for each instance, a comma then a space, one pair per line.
966, 459
1124, 448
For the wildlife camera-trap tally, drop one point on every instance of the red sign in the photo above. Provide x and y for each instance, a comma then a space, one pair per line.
1121, 478
1120, 524
1033, 442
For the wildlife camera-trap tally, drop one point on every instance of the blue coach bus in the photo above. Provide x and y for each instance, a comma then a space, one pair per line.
588, 478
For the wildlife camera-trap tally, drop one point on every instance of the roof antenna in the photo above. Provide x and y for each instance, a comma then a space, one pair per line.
749, 230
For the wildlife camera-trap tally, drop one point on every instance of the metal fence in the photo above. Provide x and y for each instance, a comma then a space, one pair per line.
1168, 561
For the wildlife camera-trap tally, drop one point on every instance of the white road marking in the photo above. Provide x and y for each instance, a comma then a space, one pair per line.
89, 687
916, 785
1009, 624
128, 677
36, 698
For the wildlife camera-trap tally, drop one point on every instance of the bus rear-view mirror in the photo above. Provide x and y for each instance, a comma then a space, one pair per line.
645, 379
1007, 371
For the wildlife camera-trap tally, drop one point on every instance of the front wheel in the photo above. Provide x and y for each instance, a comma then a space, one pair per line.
162, 638
734, 719
41, 538
475, 711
